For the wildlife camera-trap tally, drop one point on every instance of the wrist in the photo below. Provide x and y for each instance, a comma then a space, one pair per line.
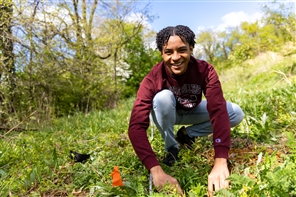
220, 161
156, 170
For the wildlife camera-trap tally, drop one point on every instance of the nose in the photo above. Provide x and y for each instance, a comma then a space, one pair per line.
175, 56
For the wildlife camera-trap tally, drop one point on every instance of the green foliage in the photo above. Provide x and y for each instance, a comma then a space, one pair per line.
7, 68
78, 64
66, 63
234, 46
37, 162
141, 59
268, 100
268, 111
243, 52
291, 142
253, 40
209, 44
270, 178
282, 16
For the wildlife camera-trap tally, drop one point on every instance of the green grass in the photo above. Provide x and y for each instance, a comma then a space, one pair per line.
267, 71
262, 157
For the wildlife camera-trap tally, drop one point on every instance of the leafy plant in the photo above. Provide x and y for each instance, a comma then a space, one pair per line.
262, 159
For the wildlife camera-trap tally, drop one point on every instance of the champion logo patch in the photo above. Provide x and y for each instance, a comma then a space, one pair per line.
218, 140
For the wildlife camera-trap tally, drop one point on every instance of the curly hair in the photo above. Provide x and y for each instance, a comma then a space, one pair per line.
184, 32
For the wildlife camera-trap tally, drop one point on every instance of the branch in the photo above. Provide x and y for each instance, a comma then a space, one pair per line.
13, 128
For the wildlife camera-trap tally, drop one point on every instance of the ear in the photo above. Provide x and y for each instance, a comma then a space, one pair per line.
191, 49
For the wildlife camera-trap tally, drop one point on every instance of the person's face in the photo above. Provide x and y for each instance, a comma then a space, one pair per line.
176, 55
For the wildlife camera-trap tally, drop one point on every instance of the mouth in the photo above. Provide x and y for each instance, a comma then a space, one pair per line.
177, 64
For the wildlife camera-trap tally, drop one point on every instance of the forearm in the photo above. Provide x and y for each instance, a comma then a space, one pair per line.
142, 147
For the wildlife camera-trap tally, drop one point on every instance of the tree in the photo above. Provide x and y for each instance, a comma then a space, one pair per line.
141, 57
283, 18
119, 29
67, 55
7, 68
252, 40
209, 44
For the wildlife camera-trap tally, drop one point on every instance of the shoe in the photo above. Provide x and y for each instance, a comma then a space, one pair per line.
184, 139
171, 156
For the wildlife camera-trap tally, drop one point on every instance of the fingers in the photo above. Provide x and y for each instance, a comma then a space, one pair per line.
160, 179
173, 185
219, 184
176, 187
210, 189
176, 184
217, 177
226, 184
210, 194
222, 184
179, 189
216, 185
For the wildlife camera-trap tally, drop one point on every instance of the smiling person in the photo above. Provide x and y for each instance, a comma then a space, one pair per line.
172, 94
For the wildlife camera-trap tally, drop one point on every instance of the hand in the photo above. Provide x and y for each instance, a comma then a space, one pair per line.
160, 178
217, 177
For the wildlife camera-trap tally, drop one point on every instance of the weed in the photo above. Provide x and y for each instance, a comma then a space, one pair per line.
262, 157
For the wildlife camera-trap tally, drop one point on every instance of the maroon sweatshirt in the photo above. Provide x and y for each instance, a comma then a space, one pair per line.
200, 77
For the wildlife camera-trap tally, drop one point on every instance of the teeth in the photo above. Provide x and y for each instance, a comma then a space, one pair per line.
177, 64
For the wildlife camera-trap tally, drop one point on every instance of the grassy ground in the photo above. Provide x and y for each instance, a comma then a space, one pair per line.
262, 157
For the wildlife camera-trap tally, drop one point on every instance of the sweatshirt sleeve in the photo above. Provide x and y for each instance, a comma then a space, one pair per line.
139, 123
216, 106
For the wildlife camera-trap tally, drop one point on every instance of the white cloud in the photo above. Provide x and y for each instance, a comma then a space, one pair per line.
234, 19
138, 18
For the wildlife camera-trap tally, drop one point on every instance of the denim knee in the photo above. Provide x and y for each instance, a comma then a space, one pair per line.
164, 99
239, 115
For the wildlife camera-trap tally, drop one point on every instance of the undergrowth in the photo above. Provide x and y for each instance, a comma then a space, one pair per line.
262, 156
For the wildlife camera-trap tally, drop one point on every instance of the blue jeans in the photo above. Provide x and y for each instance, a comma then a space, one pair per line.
165, 116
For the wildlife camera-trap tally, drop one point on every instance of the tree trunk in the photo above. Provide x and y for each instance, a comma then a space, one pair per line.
7, 69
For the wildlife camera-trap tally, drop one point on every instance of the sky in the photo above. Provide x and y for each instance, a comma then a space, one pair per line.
198, 14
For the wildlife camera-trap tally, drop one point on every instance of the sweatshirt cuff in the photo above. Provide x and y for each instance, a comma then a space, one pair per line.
221, 152
150, 162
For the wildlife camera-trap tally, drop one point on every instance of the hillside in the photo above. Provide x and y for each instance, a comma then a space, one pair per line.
267, 70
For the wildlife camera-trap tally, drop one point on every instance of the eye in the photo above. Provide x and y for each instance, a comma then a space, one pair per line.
182, 50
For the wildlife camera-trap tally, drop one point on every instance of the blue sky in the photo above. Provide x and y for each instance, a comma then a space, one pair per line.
198, 14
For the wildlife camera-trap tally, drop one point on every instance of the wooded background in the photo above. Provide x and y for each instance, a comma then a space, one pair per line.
59, 57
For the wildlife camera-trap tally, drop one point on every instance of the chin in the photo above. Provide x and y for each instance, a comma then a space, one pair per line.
178, 72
